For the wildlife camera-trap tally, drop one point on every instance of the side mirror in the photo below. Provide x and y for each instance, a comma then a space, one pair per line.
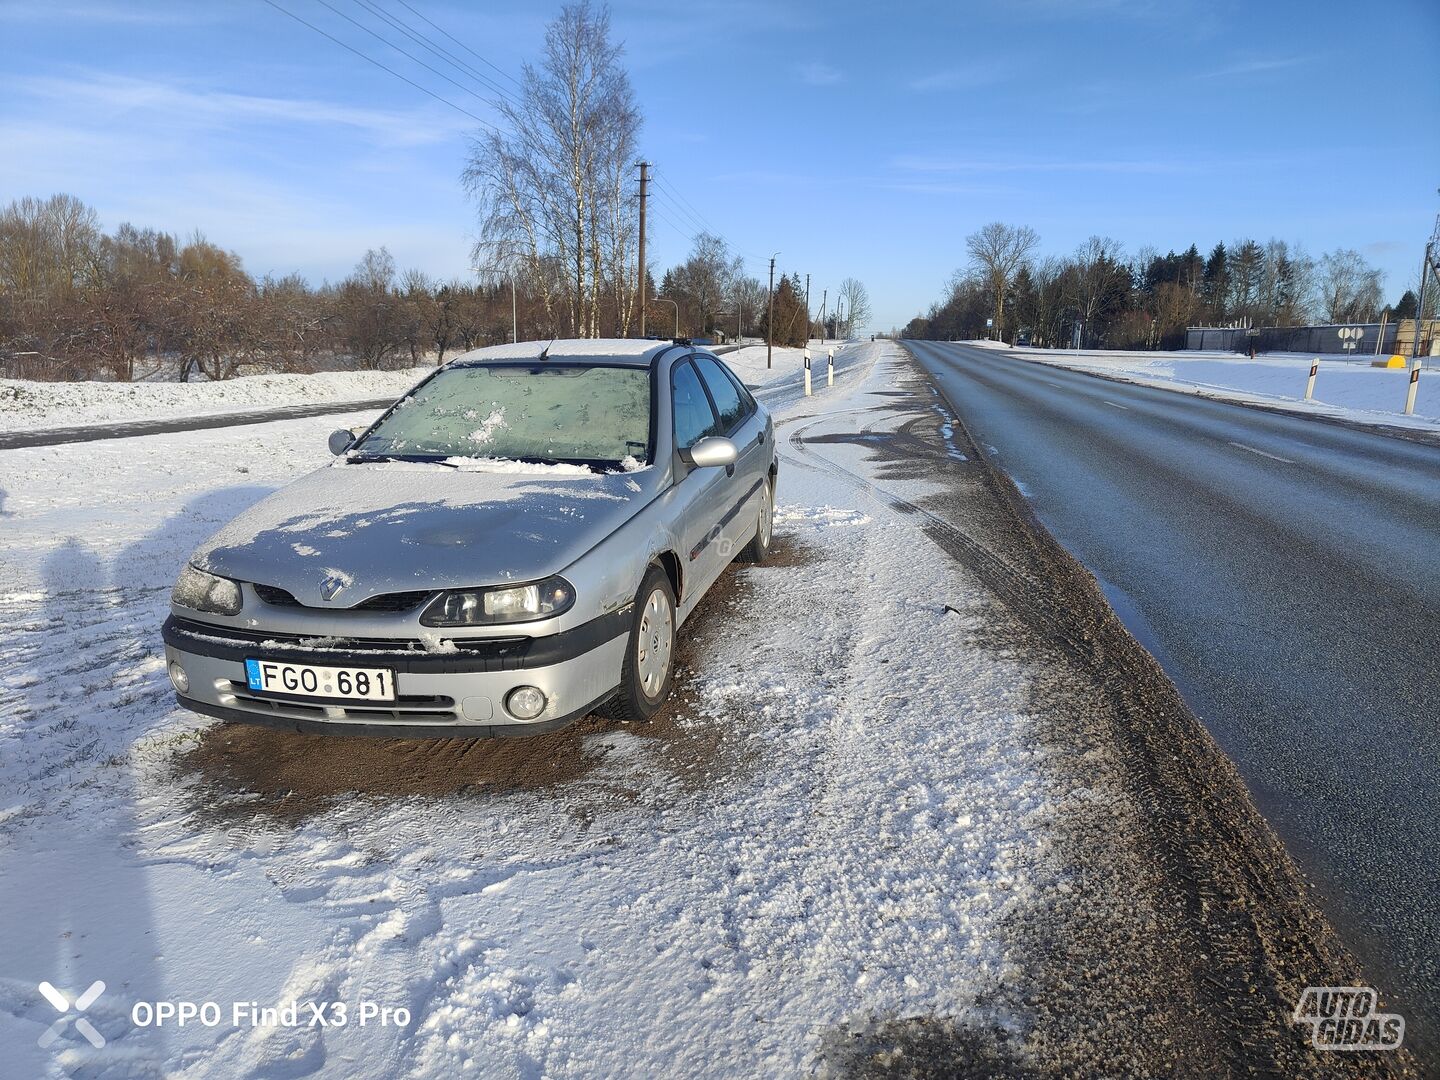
711, 453
340, 441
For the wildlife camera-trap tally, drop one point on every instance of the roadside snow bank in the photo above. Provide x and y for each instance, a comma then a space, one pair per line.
1343, 389
749, 362
26, 405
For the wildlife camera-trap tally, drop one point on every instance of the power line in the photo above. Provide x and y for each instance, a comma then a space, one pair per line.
670, 188
467, 48
410, 56
437, 50
679, 210
383, 67
701, 225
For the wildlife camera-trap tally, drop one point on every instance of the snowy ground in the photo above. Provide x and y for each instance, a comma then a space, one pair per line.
839, 825
1345, 389
26, 405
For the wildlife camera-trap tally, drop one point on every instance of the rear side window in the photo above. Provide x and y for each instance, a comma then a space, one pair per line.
732, 408
694, 419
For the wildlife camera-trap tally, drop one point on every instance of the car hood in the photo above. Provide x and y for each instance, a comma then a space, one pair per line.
387, 527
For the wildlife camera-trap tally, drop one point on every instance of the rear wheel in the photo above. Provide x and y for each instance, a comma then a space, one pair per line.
648, 669
758, 550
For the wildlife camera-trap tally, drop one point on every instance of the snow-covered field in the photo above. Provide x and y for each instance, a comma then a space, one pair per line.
26, 405
841, 824
1346, 389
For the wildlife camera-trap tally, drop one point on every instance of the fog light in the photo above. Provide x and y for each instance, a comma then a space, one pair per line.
525, 703
178, 678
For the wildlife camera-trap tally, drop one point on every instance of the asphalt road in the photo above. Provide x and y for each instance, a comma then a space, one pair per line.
10, 440
1286, 574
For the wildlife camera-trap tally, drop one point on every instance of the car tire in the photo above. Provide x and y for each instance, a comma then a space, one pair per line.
648, 670
758, 550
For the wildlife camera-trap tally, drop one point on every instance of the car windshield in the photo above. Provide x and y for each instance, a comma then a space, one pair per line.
580, 414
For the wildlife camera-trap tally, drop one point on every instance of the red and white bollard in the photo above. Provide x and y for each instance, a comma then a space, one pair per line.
1414, 386
1310, 384
807, 370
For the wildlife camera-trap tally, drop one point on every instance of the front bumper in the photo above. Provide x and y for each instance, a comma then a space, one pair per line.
438, 694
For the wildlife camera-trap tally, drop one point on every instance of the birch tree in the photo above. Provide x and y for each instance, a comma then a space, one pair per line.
553, 189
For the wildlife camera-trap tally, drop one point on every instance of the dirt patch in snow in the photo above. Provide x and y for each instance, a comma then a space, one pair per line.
239, 773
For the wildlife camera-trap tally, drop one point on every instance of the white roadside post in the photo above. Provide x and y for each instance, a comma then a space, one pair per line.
1310, 382
807, 370
1414, 386
830, 366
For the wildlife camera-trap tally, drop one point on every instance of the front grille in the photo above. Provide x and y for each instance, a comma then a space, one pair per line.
395, 601
501, 646
407, 709
391, 602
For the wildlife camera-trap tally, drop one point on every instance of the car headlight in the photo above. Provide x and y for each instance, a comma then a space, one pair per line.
510, 604
200, 591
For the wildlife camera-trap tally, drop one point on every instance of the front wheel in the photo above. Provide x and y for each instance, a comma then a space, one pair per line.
758, 550
648, 668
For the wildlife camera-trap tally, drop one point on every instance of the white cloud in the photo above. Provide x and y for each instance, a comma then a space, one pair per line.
817, 74
1255, 67
129, 14
88, 98
1015, 165
972, 75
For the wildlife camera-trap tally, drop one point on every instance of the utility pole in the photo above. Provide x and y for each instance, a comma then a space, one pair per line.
824, 298
807, 309
644, 300
1429, 266
514, 312
770, 318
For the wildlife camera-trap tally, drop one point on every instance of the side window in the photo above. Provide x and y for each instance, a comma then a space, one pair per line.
744, 390
694, 419
727, 399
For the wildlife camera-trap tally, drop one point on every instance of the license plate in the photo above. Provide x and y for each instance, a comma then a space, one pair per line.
310, 680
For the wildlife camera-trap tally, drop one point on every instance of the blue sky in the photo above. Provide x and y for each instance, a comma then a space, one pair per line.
857, 139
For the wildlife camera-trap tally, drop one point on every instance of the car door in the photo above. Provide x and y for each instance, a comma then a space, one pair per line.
739, 421
704, 493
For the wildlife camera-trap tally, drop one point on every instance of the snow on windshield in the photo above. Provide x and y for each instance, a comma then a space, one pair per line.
548, 413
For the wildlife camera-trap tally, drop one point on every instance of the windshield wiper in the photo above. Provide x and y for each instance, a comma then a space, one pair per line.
366, 459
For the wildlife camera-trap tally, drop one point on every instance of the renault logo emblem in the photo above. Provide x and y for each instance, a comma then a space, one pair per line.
330, 586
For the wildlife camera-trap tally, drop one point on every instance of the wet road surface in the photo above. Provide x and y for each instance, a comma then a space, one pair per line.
1286, 573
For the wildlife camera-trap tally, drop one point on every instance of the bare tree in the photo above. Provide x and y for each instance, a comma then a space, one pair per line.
553, 191
703, 285
996, 252
1095, 283
854, 299
1350, 288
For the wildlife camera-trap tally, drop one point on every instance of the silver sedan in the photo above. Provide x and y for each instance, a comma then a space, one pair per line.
512, 545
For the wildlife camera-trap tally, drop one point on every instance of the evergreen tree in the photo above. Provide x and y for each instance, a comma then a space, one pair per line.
1215, 284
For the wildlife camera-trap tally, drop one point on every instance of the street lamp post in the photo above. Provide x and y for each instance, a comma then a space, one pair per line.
672, 303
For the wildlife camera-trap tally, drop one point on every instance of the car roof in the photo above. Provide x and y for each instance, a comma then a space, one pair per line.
630, 352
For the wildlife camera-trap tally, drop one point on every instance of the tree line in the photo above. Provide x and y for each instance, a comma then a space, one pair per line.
77, 302
556, 257
137, 303
1098, 296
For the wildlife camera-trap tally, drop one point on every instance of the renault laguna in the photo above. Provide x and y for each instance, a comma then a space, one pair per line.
510, 546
